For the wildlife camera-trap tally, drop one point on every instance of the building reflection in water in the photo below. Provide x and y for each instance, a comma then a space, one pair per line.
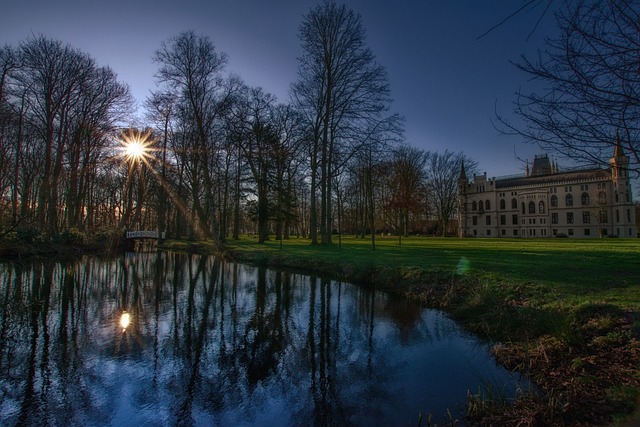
201, 341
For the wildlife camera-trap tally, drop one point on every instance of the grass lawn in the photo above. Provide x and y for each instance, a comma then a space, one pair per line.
572, 270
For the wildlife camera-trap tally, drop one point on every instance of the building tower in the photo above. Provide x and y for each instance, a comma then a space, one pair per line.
622, 208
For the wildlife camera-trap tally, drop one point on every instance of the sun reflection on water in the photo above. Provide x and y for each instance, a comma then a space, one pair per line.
125, 319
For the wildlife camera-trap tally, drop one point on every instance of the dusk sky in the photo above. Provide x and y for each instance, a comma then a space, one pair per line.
444, 81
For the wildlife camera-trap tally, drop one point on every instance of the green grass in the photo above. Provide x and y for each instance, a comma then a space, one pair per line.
606, 269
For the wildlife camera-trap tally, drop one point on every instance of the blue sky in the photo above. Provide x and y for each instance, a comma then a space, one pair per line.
445, 81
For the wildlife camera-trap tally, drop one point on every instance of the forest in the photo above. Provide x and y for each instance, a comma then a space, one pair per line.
215, 158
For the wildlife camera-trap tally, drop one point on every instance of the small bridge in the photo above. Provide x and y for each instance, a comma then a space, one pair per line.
143, 241
145, 235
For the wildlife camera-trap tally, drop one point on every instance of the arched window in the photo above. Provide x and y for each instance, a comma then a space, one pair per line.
602, 198
554, 201
569, 200
524, 211
474, 206
480, 205
532, 208
503, 204
487, 205
541, 207
616, 196
514, 203
585, 199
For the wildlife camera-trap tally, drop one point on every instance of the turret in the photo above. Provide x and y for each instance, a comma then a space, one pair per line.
619, 162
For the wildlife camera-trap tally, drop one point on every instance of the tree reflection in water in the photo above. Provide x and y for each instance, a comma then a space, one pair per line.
212, 342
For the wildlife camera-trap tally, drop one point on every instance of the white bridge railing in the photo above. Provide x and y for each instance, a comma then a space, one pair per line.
145, 235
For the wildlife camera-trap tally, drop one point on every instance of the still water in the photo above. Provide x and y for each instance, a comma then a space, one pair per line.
166, 338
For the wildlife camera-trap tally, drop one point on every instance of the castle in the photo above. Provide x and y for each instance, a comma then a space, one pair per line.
547, 202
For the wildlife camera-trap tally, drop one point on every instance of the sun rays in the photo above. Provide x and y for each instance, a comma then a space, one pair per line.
136, 146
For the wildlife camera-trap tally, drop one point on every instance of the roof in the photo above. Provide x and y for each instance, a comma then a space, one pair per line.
576, 175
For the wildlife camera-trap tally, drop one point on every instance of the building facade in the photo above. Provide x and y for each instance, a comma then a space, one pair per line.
545, 202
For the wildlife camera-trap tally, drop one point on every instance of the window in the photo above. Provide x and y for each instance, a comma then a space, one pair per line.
514, 219
488, 232
504, 232
475, 232
585, 199
474, 206
616, 196
617, 216
488, 220
554, 231
487, 205
587, 232
514, 204
604, 218
523, 209
503, 220
554, 201
569, 217
474, 220
570, 232
554, 218
515, 232
628, 215
503, 204
532, 208
569, 200
480, 206
541, 207
602, 198
586, 217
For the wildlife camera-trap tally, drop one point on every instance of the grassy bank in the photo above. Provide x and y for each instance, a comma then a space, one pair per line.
566, 313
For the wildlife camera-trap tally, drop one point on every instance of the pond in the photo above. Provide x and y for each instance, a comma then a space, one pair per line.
167, 338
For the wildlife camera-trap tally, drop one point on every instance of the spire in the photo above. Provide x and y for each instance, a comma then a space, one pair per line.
527, 167
463, 173
618, 152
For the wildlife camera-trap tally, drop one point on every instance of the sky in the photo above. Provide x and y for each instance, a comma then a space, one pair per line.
445, 81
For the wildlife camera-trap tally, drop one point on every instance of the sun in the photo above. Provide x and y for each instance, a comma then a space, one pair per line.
134, 149
135, 145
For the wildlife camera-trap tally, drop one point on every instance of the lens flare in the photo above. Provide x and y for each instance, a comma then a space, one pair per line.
463, 266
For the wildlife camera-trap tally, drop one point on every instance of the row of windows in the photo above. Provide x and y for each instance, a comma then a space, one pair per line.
585, 200
586, 218
543, 232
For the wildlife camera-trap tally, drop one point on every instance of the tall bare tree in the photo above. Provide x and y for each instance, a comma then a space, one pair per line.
590, 85
342, 91
190, 66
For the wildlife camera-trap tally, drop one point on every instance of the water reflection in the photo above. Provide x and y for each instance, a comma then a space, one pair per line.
184, 339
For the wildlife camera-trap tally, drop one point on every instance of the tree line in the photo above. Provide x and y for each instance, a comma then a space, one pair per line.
221, 158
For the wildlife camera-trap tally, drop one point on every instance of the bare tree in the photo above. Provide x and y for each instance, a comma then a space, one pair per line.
590, 84
342, 91
442, 173
407, 181
191, 67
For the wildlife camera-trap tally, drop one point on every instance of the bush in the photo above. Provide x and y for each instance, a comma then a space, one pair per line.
30, 235
71, 236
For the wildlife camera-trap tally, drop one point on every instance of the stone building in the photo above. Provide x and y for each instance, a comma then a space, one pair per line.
547, 202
